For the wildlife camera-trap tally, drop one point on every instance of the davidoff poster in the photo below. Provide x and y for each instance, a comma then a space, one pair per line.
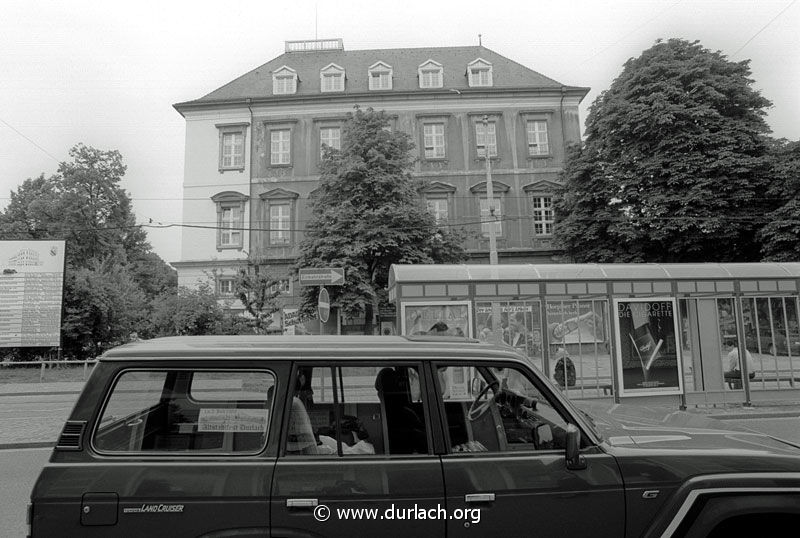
647, 354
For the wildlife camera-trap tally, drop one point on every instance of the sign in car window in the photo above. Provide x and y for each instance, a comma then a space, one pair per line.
31, 284
648, 355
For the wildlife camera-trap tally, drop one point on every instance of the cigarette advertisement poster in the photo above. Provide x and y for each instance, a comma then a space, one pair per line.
452, 318
31, 290
648, 357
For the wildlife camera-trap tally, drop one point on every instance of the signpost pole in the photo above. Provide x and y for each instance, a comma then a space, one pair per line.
321, 323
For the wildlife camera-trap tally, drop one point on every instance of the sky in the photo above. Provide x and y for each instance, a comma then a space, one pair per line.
107, 73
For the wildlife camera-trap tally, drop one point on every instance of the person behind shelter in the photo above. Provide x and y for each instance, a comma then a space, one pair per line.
439, 328
734, 362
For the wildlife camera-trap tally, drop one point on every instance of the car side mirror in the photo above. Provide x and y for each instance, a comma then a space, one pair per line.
573, 451
542, 437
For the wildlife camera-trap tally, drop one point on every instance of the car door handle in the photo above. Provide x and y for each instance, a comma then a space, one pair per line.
301, 503
479, 498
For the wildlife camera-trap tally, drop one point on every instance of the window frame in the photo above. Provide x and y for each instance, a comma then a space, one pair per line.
194, 453
537, 134
232, 129
226, 279
491, 128
550, 399
322, 142
287, 142
430, 66
475, 71
542, 212
280, 225
433, 137
230, 200
384, 74
332, 72
433, 425
500, 191
279, 76
279, 197
438, 190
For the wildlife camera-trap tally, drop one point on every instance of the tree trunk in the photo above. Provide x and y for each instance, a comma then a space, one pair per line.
368, 315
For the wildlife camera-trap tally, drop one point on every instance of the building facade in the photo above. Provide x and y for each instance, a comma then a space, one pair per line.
253, 149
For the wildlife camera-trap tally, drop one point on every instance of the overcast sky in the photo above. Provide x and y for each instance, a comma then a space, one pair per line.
107, 73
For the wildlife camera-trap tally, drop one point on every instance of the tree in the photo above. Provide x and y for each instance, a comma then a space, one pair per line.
673, 164
780, 236
103, 306
187, 311
258, 291
368, 214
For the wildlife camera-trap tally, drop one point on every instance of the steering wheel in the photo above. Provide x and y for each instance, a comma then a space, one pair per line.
477, 409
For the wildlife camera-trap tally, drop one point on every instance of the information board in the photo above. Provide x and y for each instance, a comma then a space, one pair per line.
31, 292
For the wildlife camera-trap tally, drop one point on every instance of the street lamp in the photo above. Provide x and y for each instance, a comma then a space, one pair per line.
489, 193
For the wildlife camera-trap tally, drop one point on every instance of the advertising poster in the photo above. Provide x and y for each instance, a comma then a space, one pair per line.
31, 291
440, 319
514, 323
573, 322
648, 357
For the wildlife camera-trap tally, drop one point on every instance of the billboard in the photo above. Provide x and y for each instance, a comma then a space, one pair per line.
31, 293
648, 354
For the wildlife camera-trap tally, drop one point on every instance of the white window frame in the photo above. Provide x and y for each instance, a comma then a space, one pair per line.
226, 286
326, 138
426, 73
280, 147
543, 217
280, 222
232, 146
480, 138
284, 81
480, 74
335, 75
434, 142
380, 76
230, 219
439, 207
486, 216
537, 137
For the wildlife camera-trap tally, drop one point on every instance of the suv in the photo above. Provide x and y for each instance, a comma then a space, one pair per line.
384, 436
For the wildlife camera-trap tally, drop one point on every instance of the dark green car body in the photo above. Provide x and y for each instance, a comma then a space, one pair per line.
215, 450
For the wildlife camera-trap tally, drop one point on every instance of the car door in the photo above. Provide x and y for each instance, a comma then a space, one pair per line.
505, 470
357, 457
176, 450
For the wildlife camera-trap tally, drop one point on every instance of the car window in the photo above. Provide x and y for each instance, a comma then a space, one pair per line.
490, 409
185, 411
356, 410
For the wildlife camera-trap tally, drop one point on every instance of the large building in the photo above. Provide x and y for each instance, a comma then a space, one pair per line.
253, 148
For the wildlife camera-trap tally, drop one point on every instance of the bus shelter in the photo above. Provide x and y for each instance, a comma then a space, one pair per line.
664, 333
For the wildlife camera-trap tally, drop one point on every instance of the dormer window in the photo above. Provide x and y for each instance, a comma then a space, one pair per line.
431, 75
331, 78
380, 76
479, 73
284, 81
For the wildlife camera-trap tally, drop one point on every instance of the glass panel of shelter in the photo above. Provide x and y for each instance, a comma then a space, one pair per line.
579, 353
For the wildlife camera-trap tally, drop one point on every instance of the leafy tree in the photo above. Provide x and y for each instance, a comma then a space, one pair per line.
258, 291
84, 204
368, 214
187, 311
780, 236
103, 306
673, 164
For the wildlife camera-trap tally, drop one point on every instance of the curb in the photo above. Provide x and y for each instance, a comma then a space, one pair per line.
48, 393
33, 444
745, 416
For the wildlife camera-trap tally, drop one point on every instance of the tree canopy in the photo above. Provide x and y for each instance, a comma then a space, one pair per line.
674, 164
780, 236
112, 275
368, 214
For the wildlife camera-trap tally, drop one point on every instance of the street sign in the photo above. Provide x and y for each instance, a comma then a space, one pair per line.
323, 305
322, 276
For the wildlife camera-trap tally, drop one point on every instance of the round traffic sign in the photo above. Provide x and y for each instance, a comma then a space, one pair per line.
323, 305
